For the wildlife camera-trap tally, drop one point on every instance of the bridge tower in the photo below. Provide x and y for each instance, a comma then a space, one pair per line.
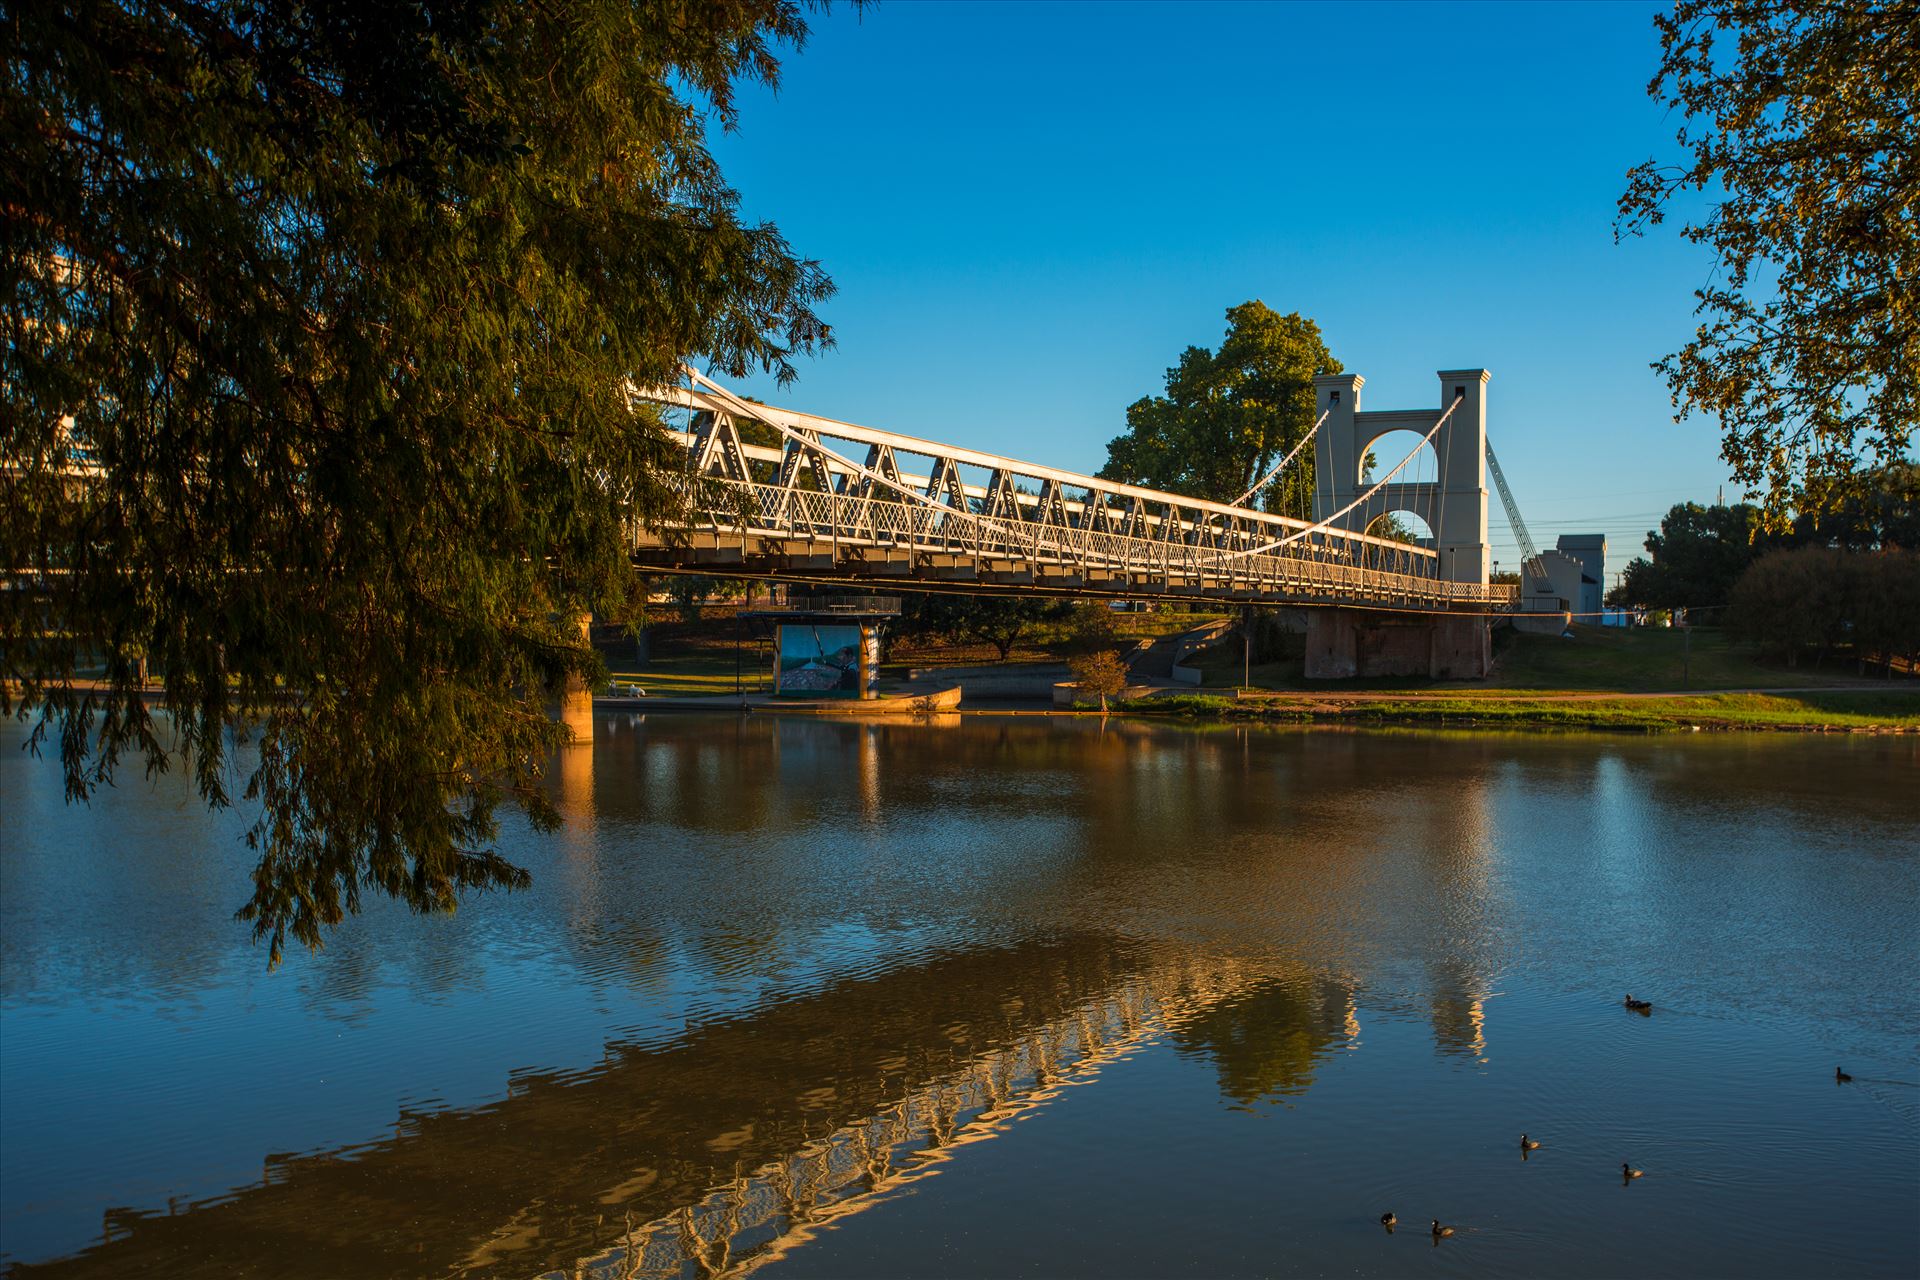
1453, 502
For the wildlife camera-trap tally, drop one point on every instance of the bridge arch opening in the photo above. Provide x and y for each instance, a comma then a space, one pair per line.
1382, 454
1402, 526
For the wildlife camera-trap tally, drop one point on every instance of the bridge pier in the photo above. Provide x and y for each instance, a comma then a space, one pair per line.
1343, 643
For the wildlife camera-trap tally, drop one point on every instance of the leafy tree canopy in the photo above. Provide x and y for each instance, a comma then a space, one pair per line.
1700, 552
1880, 508
996, 620
1801, 173
317, 321
1826, 598
1695, 557
1393, 527
1230, 415
1101, 674
688, 591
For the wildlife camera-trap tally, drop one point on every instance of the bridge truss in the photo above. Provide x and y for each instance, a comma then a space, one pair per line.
771, 492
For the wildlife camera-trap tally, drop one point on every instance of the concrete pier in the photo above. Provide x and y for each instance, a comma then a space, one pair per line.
1342, 643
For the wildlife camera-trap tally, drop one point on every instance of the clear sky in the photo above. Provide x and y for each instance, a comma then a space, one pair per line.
1030, 210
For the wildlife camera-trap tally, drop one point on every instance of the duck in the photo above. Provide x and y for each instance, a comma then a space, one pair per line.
1841, 1077
1439, 1230
1528, 1144
1628, 1173
1638, 1006
1387, 1220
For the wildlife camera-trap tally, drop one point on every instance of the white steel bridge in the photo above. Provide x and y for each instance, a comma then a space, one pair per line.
778, 493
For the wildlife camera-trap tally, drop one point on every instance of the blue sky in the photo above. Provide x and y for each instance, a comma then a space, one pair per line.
1030, 210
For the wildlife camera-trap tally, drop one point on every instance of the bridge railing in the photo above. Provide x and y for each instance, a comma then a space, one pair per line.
877, 606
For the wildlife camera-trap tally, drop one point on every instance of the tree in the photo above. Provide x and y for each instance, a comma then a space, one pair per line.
688, 591
1090, 625
996, 620
1801, 124
1102, 674
1229, 416
318, 319
1880, 509
1700, 552
1391, 527
1695, 557
1823, 598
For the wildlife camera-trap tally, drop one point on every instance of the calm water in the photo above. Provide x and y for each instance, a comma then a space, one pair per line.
1001, 997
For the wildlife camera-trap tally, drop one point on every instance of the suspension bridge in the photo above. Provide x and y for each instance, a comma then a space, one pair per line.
776, 493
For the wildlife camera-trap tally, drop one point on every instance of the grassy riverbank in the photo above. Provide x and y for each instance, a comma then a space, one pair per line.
1591, 659
1596, 678
1599, 678
1840, 710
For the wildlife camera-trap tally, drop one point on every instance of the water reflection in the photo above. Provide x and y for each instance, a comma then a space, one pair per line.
540, 1174
1266, 1042
776, 970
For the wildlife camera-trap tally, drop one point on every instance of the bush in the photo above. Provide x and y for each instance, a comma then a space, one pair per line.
1823, 599
1091, 627
1273, 640
1102, 675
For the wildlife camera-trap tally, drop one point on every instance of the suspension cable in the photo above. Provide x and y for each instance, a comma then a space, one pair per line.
1322, 525
1263, 481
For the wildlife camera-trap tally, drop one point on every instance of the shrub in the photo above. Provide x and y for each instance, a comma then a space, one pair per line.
1091, 628
1101, 674
1823, 599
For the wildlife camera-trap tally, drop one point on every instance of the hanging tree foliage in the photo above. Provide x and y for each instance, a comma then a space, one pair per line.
1801, 173
317, 319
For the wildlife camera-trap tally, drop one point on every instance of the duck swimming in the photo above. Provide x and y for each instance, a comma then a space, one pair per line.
1439, 1230
1841, 1077
1528, 1144
1387, 1219
1628, 1173
1638, 1006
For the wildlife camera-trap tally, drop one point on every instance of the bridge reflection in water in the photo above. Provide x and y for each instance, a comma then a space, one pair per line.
780, 971
735, 1141
759, 1216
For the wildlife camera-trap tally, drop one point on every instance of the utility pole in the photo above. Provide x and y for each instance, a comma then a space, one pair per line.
1246, 647
1686, 651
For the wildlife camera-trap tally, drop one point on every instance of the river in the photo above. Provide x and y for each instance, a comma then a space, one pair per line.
1000, 996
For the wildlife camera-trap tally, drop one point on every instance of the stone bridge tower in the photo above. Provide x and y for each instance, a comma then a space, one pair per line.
1453, 502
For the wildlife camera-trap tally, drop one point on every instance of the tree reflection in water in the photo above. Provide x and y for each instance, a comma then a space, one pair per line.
1266, 1042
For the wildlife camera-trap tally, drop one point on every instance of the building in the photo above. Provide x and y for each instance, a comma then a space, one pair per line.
1564, 584
1590, 551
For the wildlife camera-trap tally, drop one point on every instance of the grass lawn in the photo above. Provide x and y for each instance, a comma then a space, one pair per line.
1841, 709
1646, 660
1838, 709
1610, 659
701, 672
